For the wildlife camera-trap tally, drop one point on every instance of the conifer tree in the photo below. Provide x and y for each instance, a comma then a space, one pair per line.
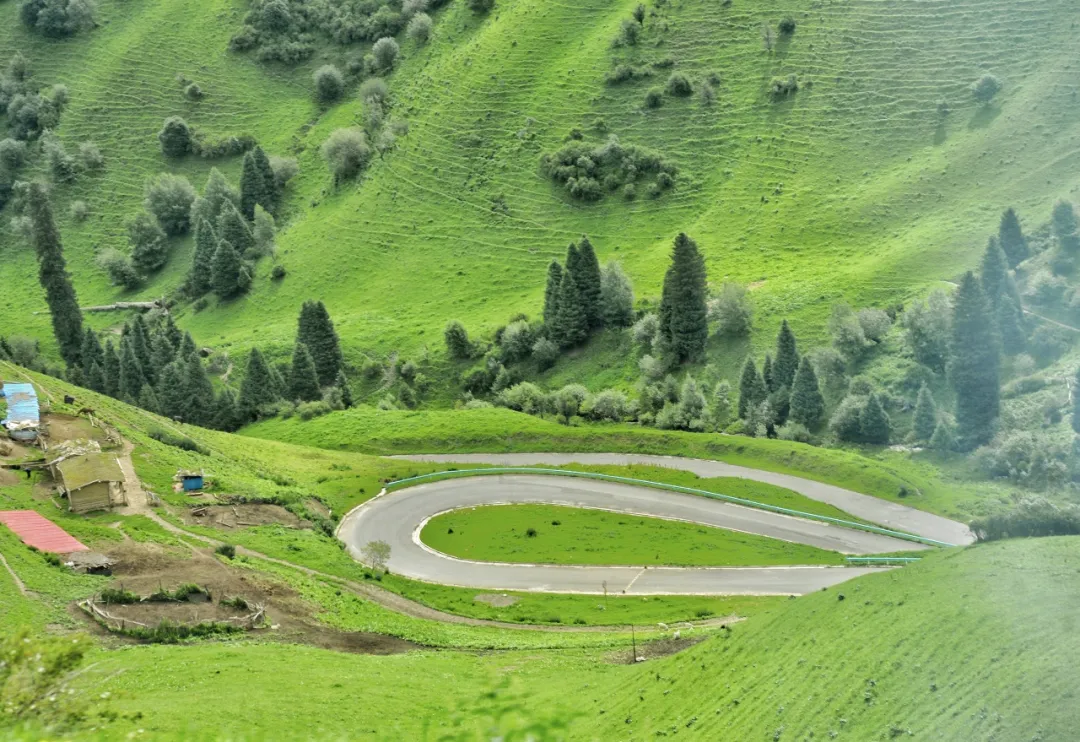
161, 352
200, 279
925, 420
303, 382
787, 357
187, 347
257, 389
767, 374
1076, 402
807, 405
1011, 326
683, 312
232, 228
752, 391
343, 384
873, 421
200, 392
90, 353
272, 192
170, 332
551, 293
974, 364
149, 244
226, 270
587, 277
172, 391
720, 408
111, 370
131, 373
571, 324
53, 276
95, 378
316, 330
254, 187
148, 400
225, 413
216, 195
994, 274
1011, 238
1064, 226
140, 343
943, 440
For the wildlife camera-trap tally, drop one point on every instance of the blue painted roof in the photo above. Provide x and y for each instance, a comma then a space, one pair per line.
22, 403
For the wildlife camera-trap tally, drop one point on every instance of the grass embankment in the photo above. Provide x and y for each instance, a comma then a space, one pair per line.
550, 534
971, 645
848, 189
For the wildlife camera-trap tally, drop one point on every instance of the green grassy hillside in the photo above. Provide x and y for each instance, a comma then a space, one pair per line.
854, 188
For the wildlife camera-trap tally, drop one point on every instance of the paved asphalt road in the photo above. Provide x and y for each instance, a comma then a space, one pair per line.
872, 509
397, 518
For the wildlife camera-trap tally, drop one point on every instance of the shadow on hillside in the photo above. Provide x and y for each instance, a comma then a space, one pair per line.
983, 117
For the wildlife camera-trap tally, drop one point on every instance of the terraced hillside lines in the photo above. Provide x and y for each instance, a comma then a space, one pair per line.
854, 188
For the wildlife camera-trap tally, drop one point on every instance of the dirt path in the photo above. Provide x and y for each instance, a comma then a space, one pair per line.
407, 607
138, 504
18, 583
1052, 321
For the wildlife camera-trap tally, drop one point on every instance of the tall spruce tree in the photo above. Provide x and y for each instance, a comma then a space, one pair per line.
172, 390
587, 277
232, 228
90, 353
162, 352
199, 409
342, 383
52, 273
752, 391
254, 188
316, 330
571, 324
1011, 238
684, 319
767, 374
787, 357
95, 378
926, 418
994, 273
226, 416
141, 344
148, 400
257, 389
170, 331
201, 277
303, 381
807, 405
187, 347
551, 293
873, 421
131, 373
1011, 326
111, 370
1063, 224
216, 195
974, 364
226, 270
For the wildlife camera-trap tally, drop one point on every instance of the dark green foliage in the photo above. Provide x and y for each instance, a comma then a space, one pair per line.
52, 273
162, 353
139, 335
873, 421
994, 274
752, 391
225, 270
1011, 326
571, 326
787, 357
1011, 238
587, 171
232, 228
1064, 226
806, 405
229, 552
148, 400
480, 6
783, 87
57, 19
985, 88
342, 384
149, 245
111, 370
120, 268
329, 84
258, 185
586, 272
200, 279
786, 26
316, 330
684, 322
347, 153
226, 415
678, 85
90, 353
457, 340
258, 387
1076, 402
551, 293
175, 137
30, 111
217, 193
169, 198
95, 378
767, 374
1034, 517
131, 373
654, 98
616, 296
303, 383
629, 33
926, 418
639, 13
974, 364
199, 407
545, 353
626, 72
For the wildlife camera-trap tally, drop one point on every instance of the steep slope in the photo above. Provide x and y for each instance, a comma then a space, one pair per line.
855, 187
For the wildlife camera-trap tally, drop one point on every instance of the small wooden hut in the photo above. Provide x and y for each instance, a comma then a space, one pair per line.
92, 481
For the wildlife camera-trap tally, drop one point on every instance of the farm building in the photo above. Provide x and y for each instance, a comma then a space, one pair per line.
92, 481
23, 420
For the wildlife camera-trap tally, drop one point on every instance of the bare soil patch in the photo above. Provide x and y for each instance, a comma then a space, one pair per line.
8, 478
229, 517
656, 649
497, 601
68, 428
145, 568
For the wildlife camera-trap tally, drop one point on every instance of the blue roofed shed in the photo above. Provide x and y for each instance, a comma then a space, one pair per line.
23, 420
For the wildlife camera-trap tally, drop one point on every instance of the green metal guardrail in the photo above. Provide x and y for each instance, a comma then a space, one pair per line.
661, 485
882, 560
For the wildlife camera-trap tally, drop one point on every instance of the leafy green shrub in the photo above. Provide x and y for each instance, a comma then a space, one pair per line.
626, 73
347, 153
679, 85
787, 26
545, 353
480, 6
524, 397
581, 167
235, 602
311, 410
419, 29
193, 92
385, 51
169, 198
176, 441
168, 632
654, 98
56, 19
1032, 517
1022, 457
629, 33
783, 87
175, 137
457, 340
277, 272
985, 88
120, 269
117, 596
329, 84
226, 550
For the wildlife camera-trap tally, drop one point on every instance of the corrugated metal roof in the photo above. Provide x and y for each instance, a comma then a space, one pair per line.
80, 471
22, 404
40, 532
